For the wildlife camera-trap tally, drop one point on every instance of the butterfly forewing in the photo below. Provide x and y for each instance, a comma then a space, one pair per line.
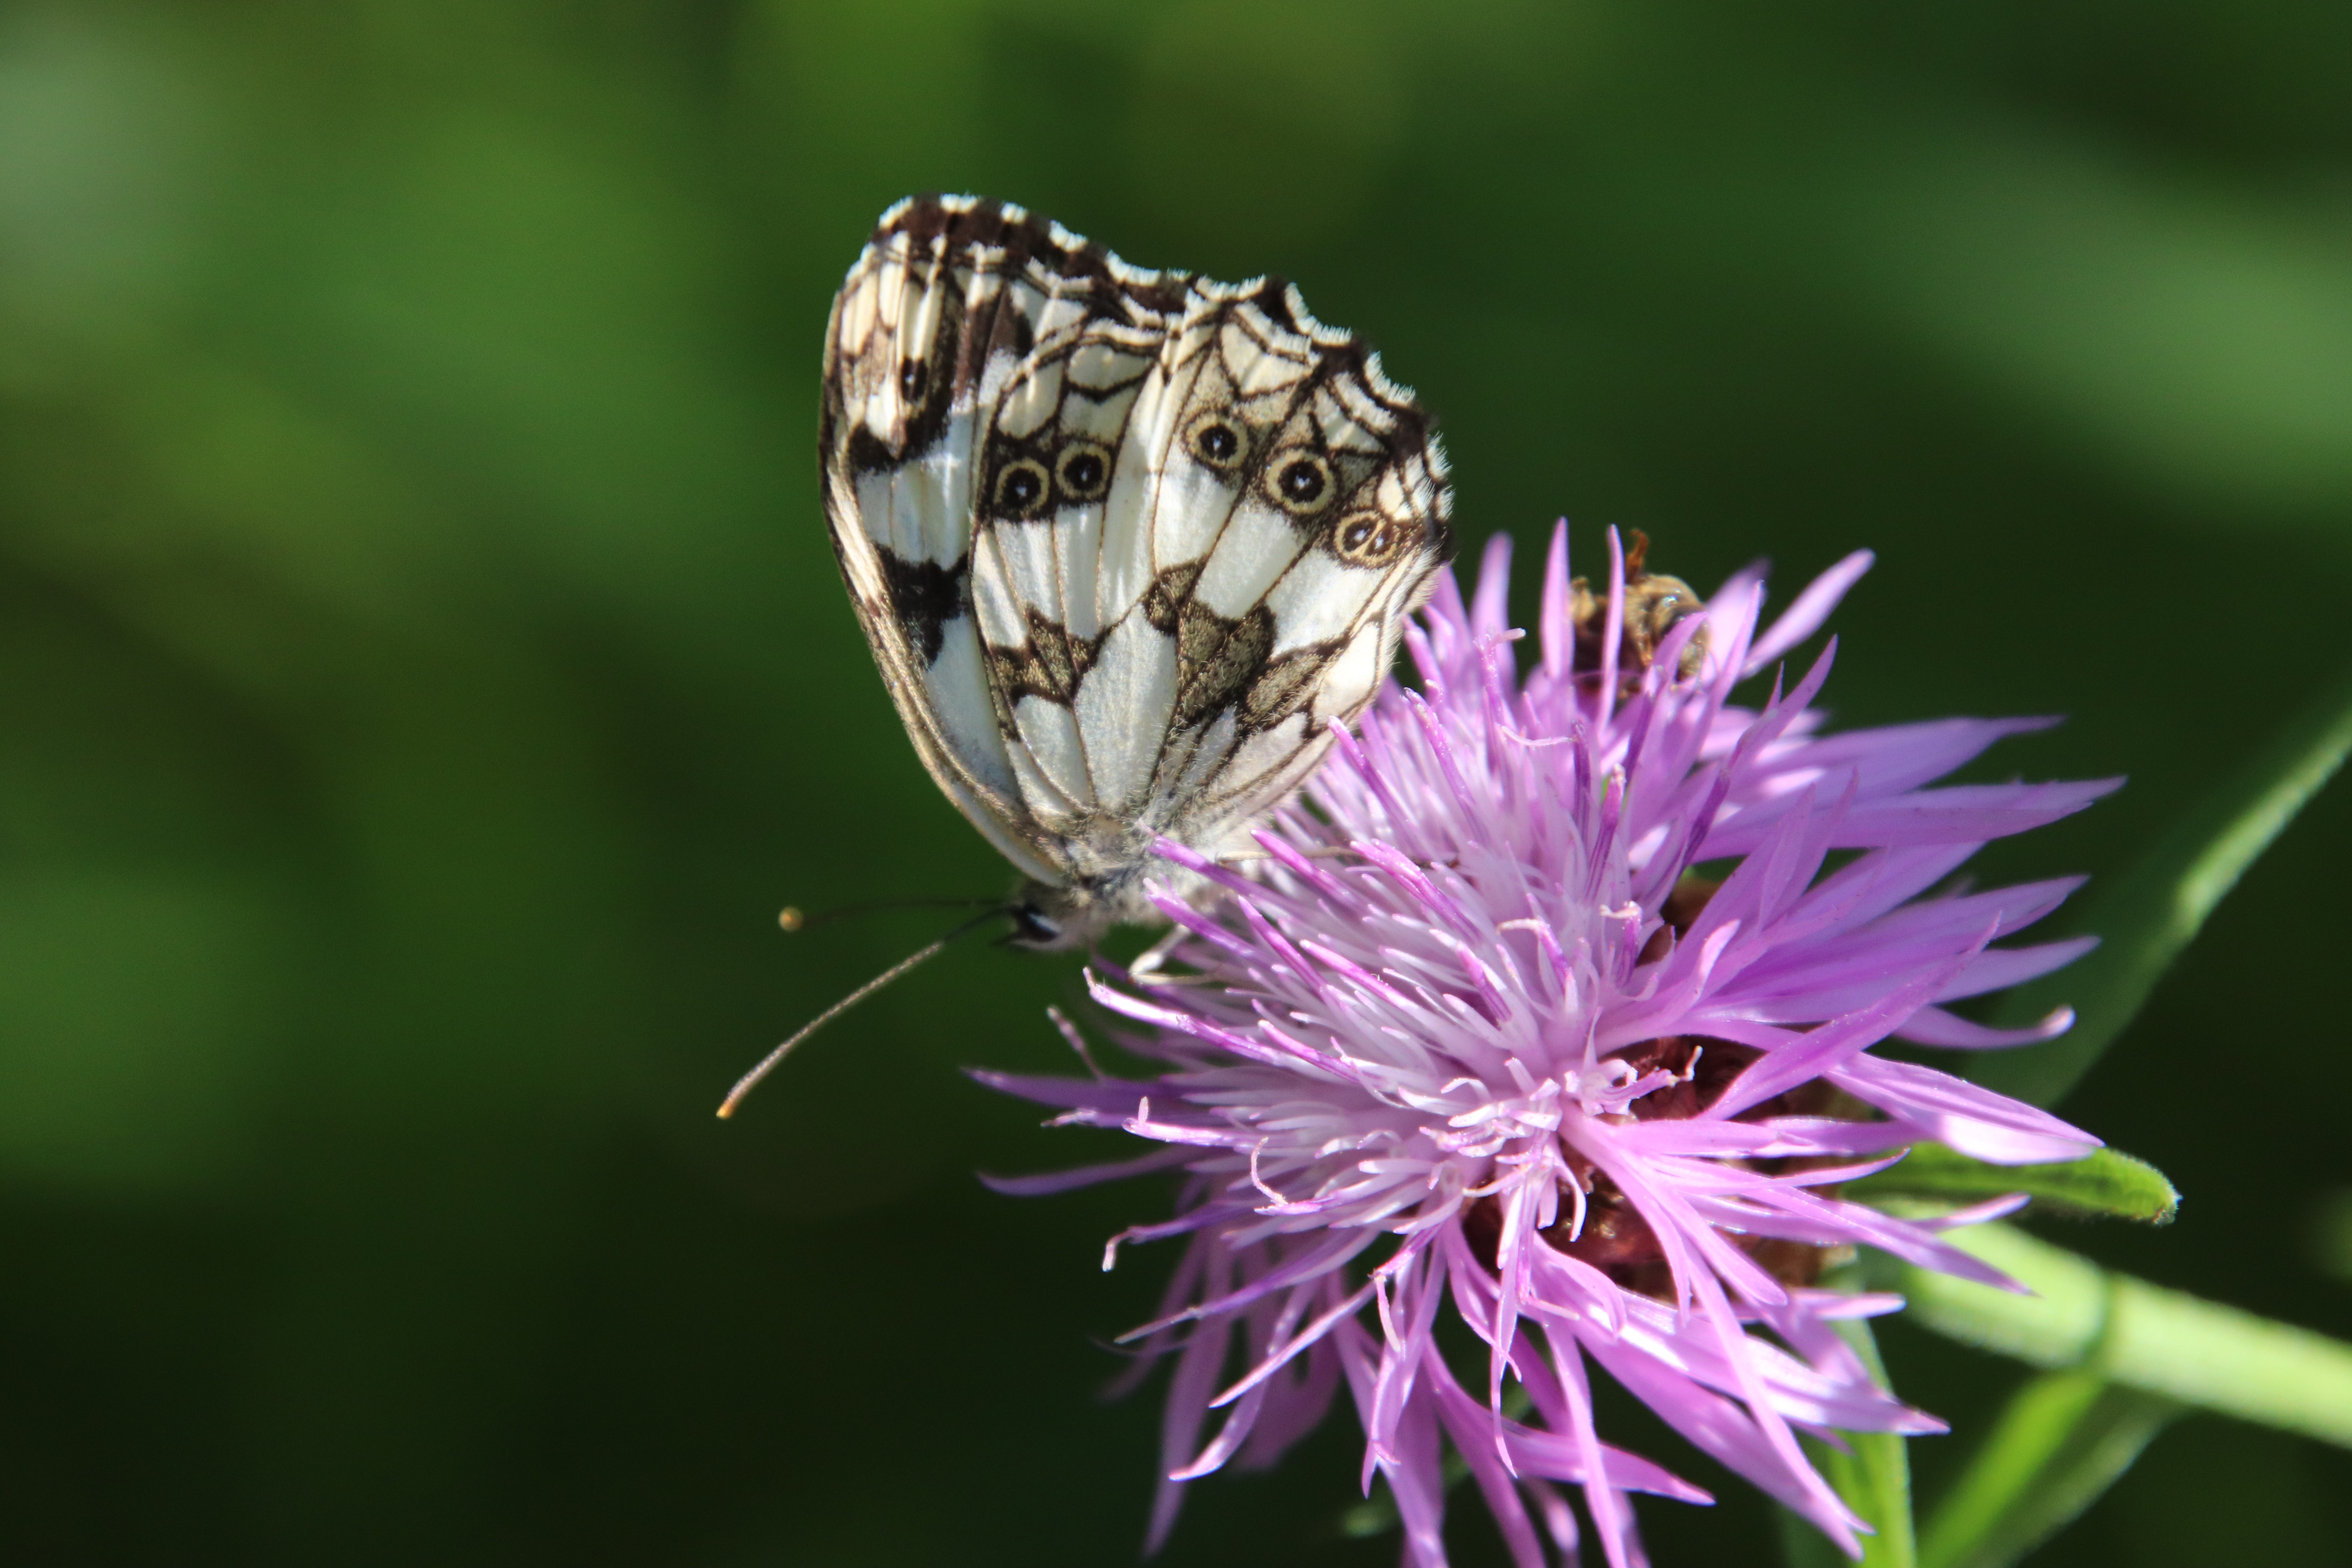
1125, 543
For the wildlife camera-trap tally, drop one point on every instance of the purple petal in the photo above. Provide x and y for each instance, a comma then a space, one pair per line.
1976, 1121
1812, 608
1084, 1175
1934, 1027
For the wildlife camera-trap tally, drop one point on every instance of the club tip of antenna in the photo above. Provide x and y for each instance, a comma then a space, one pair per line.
790, 919
726, 1111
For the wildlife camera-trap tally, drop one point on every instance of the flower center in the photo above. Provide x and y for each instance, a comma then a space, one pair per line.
1685, 1075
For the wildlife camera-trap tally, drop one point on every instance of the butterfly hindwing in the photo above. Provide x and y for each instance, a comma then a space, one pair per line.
1125, 543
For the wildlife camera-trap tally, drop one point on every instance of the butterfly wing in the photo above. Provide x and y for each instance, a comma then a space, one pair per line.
1296, 509
1125, 543
914, 331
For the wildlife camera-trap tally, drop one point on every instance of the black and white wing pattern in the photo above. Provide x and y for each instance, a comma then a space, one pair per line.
1125, 543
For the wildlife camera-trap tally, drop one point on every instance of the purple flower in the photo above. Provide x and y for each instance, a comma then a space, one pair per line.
1543, 1003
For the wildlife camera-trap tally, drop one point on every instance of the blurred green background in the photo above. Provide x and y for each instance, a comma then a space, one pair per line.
423, 675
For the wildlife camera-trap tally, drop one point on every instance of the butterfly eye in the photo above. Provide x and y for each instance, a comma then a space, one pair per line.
1301, 482
1022, 486
1084, 470
1033, 927
1217, 441
1368, 538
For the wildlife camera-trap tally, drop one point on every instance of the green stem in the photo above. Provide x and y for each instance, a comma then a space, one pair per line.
2138, 1335
1872, 1473
2064, 1438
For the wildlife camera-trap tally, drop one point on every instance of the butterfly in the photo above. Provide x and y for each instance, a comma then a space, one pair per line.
1128, 545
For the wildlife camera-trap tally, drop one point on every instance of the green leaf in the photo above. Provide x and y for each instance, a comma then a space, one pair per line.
2105, 1183
2148, 915
2135, 1334
1872, 1473
2064, 1438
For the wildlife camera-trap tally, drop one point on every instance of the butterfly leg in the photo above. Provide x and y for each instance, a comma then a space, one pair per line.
1146, 969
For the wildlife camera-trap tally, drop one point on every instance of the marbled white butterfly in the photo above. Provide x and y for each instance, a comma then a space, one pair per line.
1127, 543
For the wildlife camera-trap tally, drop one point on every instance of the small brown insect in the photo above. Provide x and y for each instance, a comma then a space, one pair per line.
1654, 604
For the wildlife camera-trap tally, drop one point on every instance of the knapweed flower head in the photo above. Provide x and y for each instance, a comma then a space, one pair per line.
1546, 1003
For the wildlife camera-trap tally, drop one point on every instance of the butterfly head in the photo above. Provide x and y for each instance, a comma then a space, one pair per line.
1052, 918
1035, 926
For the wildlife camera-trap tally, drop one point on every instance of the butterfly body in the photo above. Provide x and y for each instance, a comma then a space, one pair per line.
1126, 544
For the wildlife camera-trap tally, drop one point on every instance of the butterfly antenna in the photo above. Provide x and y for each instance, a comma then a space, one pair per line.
792, 918
750, 1080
